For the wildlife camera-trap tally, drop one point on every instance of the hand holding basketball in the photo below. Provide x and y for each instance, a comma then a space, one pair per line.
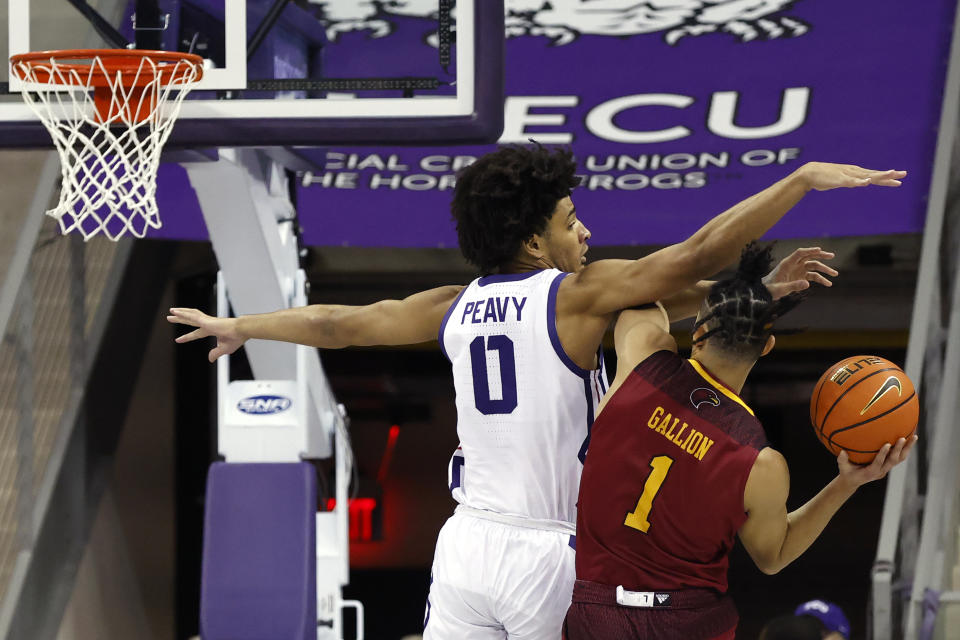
887, 458
224, 329
860, 405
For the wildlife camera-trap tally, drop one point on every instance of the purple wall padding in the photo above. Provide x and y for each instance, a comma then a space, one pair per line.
885, 115
259, 553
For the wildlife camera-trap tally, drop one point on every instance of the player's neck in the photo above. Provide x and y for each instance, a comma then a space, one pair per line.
525, 263
730, 372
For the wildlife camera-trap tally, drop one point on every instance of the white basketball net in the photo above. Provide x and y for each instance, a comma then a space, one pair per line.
108, 162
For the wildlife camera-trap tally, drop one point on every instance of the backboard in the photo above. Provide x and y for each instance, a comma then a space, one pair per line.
272, 74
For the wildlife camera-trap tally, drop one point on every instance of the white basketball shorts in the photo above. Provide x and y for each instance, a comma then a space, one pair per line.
499, 577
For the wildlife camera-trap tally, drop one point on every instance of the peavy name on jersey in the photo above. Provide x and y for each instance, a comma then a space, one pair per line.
498, 309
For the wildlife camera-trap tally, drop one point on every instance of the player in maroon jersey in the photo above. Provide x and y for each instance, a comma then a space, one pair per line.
678, 465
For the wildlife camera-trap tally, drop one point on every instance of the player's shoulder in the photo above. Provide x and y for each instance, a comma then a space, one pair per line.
593, 276
661, 366
444, 294
579, 289
770, 462
437, 303
745, 428
662, 363
769, 478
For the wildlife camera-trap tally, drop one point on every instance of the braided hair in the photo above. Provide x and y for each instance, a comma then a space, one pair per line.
507, 196
739, 312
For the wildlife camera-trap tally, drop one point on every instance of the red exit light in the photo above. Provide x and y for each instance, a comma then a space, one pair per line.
361, 517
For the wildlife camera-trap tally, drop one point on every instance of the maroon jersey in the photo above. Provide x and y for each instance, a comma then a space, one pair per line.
661, 496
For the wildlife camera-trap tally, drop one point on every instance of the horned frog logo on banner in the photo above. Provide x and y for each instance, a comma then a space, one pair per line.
563, 21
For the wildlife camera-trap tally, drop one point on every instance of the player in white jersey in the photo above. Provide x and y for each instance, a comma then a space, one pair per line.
501, 338
524, 341
524, 412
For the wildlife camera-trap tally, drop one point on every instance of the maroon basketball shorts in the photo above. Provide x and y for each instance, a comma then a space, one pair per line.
599, 612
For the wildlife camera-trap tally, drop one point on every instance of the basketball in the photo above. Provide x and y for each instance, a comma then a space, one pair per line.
861, 403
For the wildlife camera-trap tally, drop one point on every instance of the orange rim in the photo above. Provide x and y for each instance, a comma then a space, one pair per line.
128, 62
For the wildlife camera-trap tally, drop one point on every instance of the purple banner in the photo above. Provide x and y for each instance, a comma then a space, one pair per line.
674, 114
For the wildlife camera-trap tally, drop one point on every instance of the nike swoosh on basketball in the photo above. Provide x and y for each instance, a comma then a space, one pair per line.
893, 382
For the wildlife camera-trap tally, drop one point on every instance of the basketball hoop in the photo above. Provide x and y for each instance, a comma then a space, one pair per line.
109, 112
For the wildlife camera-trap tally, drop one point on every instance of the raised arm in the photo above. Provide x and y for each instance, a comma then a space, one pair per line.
775, 538
388, 322
607, 286
638, 334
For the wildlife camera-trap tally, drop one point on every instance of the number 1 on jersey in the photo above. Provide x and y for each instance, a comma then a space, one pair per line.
637, 519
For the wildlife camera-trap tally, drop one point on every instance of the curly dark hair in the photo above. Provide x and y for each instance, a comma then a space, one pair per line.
739, 311
507, 196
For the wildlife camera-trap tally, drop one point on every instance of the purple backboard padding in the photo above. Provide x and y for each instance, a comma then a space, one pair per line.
259, 553
482, 126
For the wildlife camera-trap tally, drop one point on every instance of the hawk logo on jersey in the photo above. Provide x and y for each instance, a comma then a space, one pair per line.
702, 395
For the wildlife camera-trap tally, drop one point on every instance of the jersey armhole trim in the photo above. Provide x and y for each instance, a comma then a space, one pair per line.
552, 329
601, 372
742, 482
446, 316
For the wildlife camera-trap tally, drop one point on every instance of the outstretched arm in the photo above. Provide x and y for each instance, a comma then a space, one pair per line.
793, 273
388, 322
775, 538
607, 286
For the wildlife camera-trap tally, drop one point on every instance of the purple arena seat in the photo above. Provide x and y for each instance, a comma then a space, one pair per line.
259, 553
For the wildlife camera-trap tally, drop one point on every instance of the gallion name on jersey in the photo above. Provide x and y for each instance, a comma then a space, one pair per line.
688, 438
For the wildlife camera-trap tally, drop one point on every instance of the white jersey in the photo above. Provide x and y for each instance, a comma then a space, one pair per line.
524, 408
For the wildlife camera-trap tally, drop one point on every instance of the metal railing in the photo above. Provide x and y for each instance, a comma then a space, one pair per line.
53, 308
931, 575
906, 551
